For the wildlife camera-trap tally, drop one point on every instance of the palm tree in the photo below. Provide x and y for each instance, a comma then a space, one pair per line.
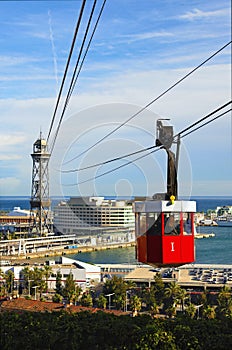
209, 312
37, 280
191, 310
153, 308
120, 301
171, 311
47, 271
159, 288
27, 278
101, 301
136, 304
182, 296
224, 308
172, 292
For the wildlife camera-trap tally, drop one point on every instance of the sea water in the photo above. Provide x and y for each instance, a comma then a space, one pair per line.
213, 250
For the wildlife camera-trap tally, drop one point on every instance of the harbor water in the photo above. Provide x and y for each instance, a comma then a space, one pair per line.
213, 250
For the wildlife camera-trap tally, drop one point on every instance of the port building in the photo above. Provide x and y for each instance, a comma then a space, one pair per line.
93, 215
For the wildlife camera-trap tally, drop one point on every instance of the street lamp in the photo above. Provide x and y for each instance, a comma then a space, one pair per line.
198, 310
29, 291
109, 295
35, 290
127, 291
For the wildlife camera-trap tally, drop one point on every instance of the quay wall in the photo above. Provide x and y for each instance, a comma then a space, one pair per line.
58, 251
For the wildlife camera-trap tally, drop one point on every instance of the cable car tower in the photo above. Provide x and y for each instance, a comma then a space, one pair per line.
164, 226
40, 215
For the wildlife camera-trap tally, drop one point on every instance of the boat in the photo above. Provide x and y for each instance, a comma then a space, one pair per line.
204, 235
225, 220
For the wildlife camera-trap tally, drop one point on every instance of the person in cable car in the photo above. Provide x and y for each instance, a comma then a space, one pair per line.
171, 227
188, 225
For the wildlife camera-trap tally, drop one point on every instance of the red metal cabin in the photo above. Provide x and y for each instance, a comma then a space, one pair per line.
165, 232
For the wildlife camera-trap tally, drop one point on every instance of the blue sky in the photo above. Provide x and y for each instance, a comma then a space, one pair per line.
139, 50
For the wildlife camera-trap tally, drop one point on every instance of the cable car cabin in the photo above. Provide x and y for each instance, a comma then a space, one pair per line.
165, 232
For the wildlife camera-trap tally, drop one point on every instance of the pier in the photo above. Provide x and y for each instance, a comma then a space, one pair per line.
31, 248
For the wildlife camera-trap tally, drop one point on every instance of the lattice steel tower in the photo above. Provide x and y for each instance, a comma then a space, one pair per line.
40, 222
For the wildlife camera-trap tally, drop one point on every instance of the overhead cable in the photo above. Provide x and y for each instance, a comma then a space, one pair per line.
154, 146
76, 73
108, 161
204, 118
155, 150
151, 102
67, 66
73, 77
208, 122
114, 169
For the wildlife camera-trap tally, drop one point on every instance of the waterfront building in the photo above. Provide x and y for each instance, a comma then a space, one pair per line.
16, 216
93, 216
17, 220
83, 273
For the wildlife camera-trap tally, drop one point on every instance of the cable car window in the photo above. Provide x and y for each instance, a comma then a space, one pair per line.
172, 223
187, 220
154, 226
149, 223
142, 224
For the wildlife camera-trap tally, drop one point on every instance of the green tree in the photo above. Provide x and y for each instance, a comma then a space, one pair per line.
9, 278
86, 300
76, 294
135, 304
172, 292
119, 301
3, 290
101, 301
159, 289
38, 280
118, 287
224, 308
209, 312
59, 287
181, 297
69, 288
190, 310
148, 297
57, 298
27, 278
47, 271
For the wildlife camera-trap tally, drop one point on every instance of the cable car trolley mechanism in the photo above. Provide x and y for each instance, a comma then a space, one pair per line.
164, 226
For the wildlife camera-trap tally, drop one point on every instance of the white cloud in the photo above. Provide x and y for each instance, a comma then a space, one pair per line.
147, 35
11, 139
14, 60
199, 14
10, 157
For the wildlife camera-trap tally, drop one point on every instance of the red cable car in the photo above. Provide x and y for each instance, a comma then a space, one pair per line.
165, 232
164, 227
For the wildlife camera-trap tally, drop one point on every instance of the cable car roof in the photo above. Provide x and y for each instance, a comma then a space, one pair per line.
165, 206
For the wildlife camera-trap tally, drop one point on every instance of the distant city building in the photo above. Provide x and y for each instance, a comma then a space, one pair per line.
17, 215
17, 211
92, 215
